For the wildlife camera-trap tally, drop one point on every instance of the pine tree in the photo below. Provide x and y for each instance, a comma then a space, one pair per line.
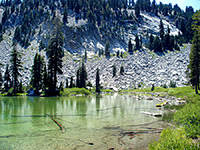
1, 78
37, 73
151, 39
114, 70
98, 82
122, 70
137, 42
130, 47
55, 53
83, 76
194, 64
71, 83
7, 79
161, 30
107, 49
66, 83
15, 67
45, 77
65, 17
137, 10
78, 78
85, 56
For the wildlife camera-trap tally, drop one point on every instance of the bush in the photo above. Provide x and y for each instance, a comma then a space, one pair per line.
189, 118
75, 91
174, 139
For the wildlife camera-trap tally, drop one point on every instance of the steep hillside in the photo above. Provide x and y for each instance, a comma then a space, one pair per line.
34, 23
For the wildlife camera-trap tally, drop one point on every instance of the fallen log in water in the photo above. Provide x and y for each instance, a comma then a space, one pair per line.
60, 125
152, 114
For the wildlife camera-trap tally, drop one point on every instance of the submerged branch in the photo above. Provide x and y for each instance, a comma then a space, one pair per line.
58, 124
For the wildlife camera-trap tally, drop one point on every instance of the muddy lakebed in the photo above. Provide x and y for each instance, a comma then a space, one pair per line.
95, 122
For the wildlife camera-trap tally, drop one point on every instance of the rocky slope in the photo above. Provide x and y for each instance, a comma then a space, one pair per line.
142, 67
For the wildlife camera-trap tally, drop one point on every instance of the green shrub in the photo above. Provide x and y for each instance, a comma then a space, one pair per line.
75, 91
174, 139
189, 118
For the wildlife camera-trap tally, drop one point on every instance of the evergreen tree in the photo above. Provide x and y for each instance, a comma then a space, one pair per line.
7, 79
137, 42
114, 70
157, 44
118, 53
194, 64
55, 53
66, 83
78, 78
15, 67
130, 47
107, 49
137, 10
151, 39
161, 30
140, 41
65, 15
71, 83
122, 70
98, 82
83, 76
85, 56
1, 78
45, 77
37, 73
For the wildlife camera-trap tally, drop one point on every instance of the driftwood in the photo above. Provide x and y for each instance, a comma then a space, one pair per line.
56, 122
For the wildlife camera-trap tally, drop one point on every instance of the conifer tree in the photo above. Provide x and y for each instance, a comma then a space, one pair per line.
98, 82
114, 70
151, 39
107, 49
83, 76
15, 67
161, 30
130, 47
122, 70
1, 78
37, 73
194, 64
137, 10
55, 53
78, 78
7, 79
71, 83
45, 77
85, 56
65, 17
137, 42
66, 83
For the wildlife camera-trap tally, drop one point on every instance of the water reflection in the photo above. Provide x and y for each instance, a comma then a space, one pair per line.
95, 117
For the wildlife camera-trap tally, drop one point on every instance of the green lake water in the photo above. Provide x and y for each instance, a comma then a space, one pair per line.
89, 122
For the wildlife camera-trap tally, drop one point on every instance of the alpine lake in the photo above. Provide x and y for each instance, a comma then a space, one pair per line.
66, 123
